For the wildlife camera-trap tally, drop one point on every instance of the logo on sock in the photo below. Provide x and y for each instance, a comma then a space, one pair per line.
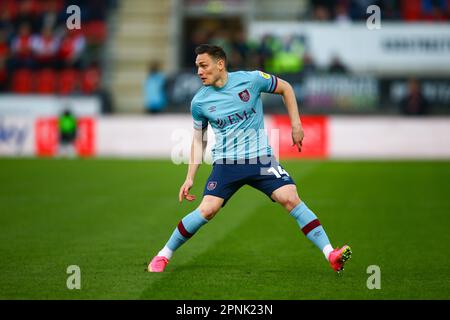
317, 233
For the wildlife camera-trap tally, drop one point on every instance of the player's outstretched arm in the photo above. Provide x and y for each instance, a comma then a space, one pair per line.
197, 150
285, 89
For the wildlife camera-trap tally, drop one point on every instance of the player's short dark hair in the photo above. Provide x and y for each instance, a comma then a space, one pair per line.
215, 52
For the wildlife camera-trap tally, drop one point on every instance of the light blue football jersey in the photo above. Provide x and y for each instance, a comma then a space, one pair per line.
235, 113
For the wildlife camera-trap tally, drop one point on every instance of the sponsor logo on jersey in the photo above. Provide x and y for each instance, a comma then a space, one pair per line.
264, 75
244, 95
211, 185
235, 118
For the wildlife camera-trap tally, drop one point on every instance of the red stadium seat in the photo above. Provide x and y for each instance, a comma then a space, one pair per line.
90, 81
95, 31
3, 78
46, 4
45, 81
22, 81
9, 6
68, 81
411, 10
36, 6
4, 50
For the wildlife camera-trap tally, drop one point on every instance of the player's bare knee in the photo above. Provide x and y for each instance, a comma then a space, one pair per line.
208, 211
290, 201
210, 206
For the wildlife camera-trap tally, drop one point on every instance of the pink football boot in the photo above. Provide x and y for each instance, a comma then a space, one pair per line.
158, 264
338, 257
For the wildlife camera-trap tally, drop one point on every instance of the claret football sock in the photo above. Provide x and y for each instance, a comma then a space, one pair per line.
312, 228
187, 227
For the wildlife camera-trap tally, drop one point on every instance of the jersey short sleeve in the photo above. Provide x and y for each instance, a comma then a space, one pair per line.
264, 82
200, 122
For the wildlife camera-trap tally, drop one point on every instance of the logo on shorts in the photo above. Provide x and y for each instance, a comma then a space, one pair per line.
211, 185
244, 95
212, 109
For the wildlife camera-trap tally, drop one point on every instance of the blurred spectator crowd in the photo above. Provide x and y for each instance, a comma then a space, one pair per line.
274, 54
404, 10
39, 54
290, 54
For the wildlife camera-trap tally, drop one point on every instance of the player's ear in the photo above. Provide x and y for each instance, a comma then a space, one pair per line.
221, 64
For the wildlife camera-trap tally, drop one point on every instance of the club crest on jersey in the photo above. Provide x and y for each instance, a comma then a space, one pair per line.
211, 185
244, 95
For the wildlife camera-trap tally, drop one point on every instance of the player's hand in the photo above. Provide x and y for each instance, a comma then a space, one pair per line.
184, 191
297, 137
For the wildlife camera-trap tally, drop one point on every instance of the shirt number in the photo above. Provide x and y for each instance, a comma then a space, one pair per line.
278, 173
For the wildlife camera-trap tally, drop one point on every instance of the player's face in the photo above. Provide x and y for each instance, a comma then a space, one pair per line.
208, 69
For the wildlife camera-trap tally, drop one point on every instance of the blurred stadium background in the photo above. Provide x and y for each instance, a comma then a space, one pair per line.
134, 58
128, 75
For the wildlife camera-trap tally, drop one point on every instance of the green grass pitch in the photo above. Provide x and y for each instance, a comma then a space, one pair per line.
110, 217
